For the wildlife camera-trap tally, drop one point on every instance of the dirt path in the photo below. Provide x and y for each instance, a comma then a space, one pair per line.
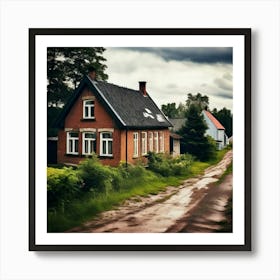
177, 209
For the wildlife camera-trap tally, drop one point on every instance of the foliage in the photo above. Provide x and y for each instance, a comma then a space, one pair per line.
53, 113
67, 66
62, 186
97, 177
165, 165
126, 182
225, 118
171, 111
198, 100
194, 140
75, 197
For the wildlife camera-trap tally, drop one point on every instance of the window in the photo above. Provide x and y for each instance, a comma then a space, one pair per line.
144, 143
156, 142
88, 109
72, 143
161, 142
89, 143
135, 144
151, 141
106, 143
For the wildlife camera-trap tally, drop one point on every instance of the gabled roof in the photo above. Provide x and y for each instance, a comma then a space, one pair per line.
130, 108
216, 123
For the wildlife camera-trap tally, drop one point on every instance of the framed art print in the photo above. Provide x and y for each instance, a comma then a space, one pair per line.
131, 139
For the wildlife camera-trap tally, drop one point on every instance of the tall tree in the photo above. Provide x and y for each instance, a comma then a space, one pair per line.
225, 118
66, 68
201, 101
169, 110
172, 111
194, 140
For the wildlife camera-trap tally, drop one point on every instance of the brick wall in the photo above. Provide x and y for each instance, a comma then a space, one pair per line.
74, 120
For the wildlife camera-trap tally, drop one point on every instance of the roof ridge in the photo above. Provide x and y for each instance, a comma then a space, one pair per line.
122, 87
214, 120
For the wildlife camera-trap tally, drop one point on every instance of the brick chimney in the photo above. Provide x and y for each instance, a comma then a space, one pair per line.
142, 88
92, 73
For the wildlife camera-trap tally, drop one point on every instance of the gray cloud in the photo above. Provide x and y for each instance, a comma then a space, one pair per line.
170, 81
225, 95
197, 54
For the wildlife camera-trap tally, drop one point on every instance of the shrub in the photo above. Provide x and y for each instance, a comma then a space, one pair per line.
62, 186
165, 165
97, 177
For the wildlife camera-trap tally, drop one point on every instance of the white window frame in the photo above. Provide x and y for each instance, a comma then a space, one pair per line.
106, 140
151, 141
89, 140
89, 106
135, 144
70, 143
156, 142
143, 143
161, 142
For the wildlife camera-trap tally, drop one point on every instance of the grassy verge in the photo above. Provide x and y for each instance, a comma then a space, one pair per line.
84, 206
79, 211
198, 167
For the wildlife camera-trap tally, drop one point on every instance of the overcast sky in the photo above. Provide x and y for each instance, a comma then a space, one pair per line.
172, 73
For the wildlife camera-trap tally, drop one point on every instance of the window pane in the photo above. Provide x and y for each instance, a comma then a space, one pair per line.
92, 146
104, 147
86, 147
107, 135
90, 135
92, 111
89, 102
110, 147
76, 146
73, 134
86, 111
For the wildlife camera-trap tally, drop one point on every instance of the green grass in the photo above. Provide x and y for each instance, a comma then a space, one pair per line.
91, 204
198, 167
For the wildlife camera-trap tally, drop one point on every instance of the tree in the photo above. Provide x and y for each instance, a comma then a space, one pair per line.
193, 139
65, 69
225, 118
201, 101
171, 111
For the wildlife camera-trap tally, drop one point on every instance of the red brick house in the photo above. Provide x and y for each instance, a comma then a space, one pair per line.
116, 123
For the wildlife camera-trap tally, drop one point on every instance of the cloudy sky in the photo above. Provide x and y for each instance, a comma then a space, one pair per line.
172, 73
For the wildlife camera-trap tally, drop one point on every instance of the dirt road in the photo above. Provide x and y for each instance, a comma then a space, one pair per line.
195, 206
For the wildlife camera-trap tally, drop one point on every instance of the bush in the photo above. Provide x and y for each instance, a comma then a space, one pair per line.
97, 177
62, 186
165, 165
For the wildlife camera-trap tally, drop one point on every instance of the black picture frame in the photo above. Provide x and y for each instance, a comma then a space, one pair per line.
34, 33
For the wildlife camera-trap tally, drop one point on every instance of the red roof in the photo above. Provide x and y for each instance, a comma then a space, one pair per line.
214, 120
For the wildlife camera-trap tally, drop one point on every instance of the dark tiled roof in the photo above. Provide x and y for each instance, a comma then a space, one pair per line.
177, 123
134, 109
128, 107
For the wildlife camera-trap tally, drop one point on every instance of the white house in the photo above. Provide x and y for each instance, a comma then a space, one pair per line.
215, 130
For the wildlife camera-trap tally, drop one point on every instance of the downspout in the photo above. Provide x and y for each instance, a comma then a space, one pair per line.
126, 147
